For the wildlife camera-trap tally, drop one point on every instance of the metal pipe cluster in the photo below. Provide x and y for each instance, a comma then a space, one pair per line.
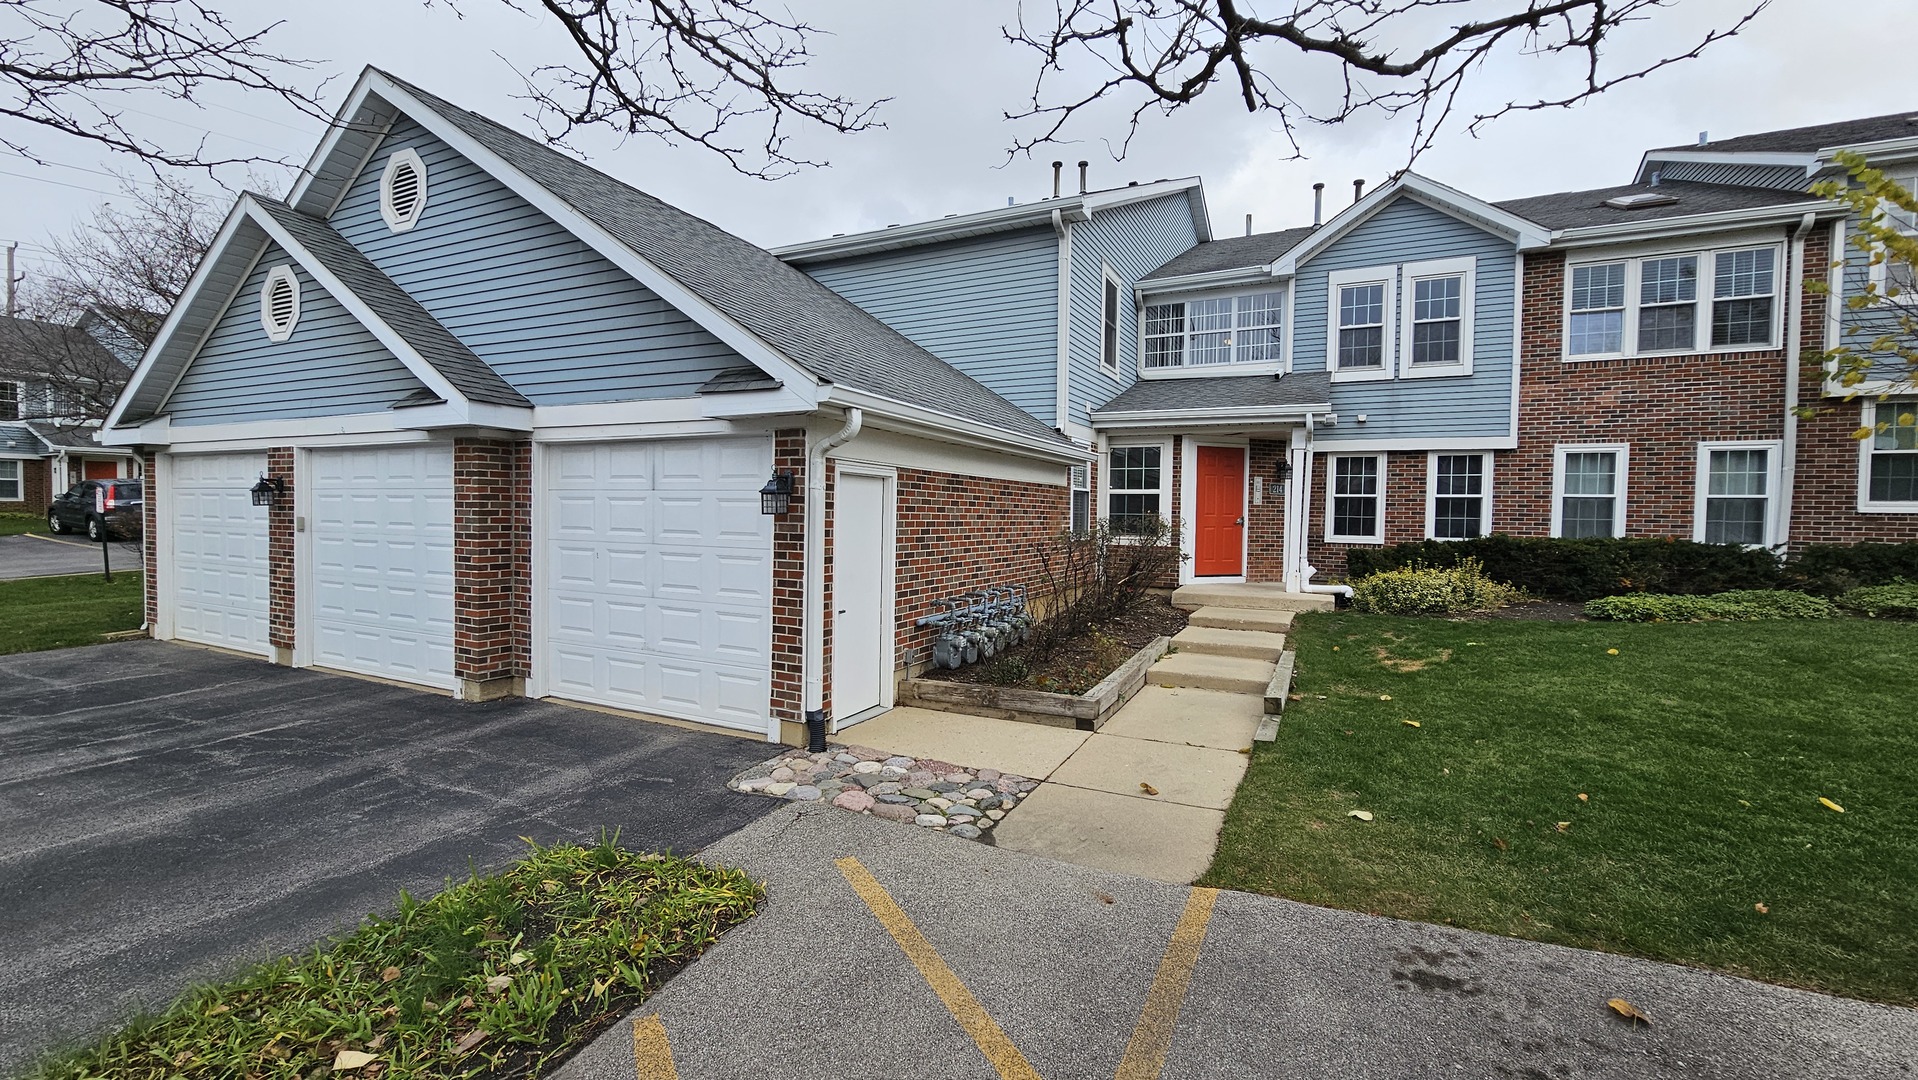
979, 624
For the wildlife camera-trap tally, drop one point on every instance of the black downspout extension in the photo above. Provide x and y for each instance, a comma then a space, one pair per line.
816, 731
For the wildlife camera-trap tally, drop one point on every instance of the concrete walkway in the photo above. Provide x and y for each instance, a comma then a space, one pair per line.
883, 950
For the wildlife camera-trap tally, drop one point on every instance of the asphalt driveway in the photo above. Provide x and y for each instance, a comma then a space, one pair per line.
27, 555
168, 813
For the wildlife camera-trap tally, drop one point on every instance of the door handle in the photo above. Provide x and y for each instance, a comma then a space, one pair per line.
1241, 521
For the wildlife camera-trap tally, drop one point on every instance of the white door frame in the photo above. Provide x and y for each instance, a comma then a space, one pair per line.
541, 575
163, 569
302, 557
1189, 507
888, 574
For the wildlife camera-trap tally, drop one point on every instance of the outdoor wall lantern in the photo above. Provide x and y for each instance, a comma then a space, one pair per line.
269, 491
777, 496
1284, 471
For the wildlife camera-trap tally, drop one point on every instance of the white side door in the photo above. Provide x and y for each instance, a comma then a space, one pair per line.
382, 573
861, 634
217, 573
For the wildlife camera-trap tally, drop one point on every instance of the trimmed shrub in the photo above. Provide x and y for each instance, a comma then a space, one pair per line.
1831, 569
1585, 569
1431, 590
1743, 605
1895, 601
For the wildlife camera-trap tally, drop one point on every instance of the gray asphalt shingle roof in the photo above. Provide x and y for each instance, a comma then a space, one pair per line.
17, 438
1232, 253
1579, 209
1301, 389
798, 317
1804, 140
29, 346
395, 307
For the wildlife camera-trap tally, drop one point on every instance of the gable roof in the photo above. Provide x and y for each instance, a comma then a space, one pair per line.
1231, 253
1810, 139
27, 344
1523, 232
800, 319
1584, 209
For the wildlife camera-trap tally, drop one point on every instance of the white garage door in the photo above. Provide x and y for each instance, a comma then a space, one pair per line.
659, 593
382, 600
218, 569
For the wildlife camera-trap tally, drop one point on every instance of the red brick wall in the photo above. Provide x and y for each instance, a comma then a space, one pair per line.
789, 576
279, 551
1265, 525
36, 489
1404, 508
492, 559
957, 534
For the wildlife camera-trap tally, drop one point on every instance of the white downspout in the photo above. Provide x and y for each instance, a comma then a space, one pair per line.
1794, 330
812, 634
1306, 569
1062, 387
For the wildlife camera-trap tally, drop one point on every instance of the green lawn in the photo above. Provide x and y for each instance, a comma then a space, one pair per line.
57, 612
1702, 751
15, 524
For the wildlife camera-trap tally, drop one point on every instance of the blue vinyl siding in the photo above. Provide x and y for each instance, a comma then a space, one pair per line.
1133, 240
1859, 328
558, 321
331, 365
987, 305
1478, 405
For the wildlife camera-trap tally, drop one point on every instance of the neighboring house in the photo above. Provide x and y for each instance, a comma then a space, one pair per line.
524, 414
50, 375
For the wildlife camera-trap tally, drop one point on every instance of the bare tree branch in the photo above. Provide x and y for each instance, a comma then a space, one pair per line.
1163, 55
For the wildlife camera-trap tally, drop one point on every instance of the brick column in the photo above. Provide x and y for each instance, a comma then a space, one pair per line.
789, 594
492, 566
279, 558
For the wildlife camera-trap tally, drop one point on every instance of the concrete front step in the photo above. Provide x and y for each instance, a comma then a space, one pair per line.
1267, 597
1231, 618
1212, 641
1200, 671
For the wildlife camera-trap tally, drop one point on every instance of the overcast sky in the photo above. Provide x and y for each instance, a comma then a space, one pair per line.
951, 78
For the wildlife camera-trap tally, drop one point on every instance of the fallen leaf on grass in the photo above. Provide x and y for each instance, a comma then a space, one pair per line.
389, 974
1385, 697
1582, 797
498, 983
1762, 908
1628, 1010
1362, 815
1295, 697
351, 1059
1499, 843
1611, 652
473, 1038
1148, 788
1245, 750
1410, 723
1563, 826
1829, 805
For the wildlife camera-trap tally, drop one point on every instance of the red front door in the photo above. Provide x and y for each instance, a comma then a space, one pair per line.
1219, 539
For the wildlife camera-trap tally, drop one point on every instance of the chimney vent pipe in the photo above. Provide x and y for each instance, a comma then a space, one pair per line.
1057, 166
1358, 189
1248, 224
1318, 203
1082, 176
1704, 137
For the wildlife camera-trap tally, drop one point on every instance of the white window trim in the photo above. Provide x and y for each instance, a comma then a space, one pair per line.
1103, 511
1188, 371
1701, 484
1435, 268
1879, 273
1869, 418
1370, 275
1331, 493
19, 399
1431, 491
1078, 479
282, 272
391, 216
1121, 294
1707, 274
18, 481
1624, 452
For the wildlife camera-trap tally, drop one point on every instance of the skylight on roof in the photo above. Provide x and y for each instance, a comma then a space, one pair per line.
1640, 200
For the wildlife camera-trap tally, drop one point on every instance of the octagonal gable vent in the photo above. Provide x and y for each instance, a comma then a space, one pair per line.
280, 303
403, 190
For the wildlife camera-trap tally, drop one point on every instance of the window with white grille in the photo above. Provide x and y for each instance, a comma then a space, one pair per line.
280, 303
10, 481
403, 190
1588, 489
1737, 482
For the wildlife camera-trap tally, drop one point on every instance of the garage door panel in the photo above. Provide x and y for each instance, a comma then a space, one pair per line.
218, 567
383, 562
676, 572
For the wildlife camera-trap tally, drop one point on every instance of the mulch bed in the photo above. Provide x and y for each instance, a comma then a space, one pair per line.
1077, 664
1539, 611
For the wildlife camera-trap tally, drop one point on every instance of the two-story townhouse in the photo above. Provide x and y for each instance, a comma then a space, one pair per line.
45, 369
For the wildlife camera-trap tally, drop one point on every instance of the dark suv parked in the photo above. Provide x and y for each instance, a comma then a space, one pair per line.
76, 509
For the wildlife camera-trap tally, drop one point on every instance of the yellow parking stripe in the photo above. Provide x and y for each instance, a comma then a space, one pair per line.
965, 1008
1145, 1053
652, 1053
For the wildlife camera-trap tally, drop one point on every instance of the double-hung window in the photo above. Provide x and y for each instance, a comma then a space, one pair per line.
1355, 499
1437, 328
1890, 467
1134, 493
1081, 521
11, 397
1588, 490
1458, 500
1213, 332
10, 481
1361, 337
1737, 482
1674, 303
